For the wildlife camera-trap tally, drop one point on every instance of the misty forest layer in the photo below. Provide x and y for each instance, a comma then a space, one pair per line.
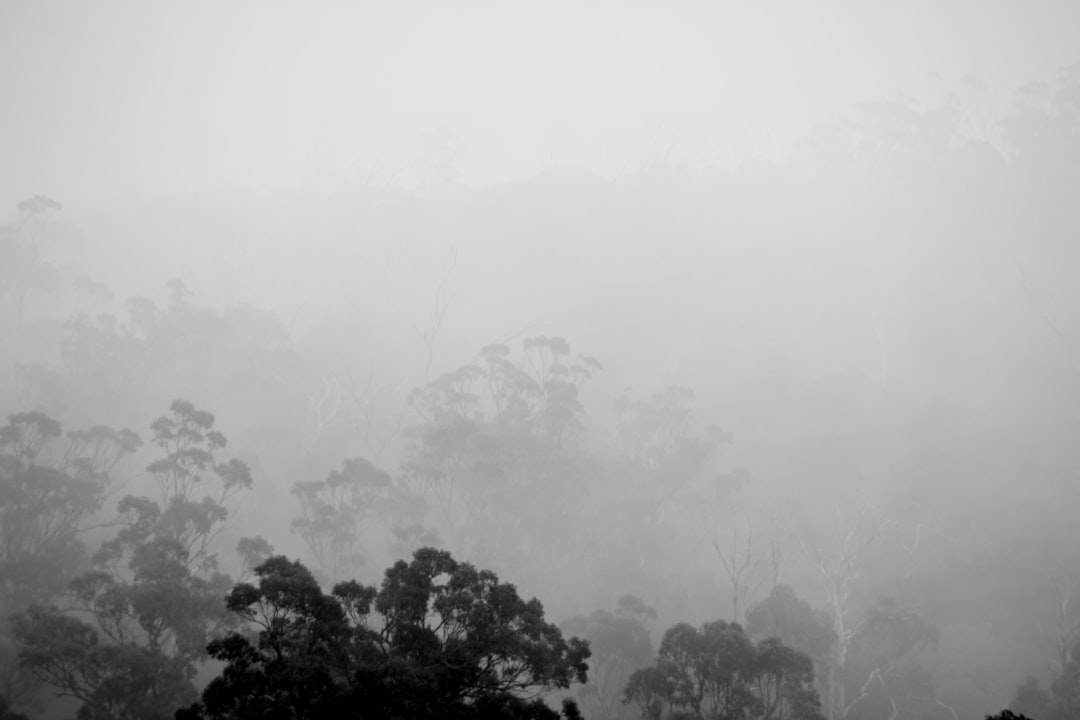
793, 442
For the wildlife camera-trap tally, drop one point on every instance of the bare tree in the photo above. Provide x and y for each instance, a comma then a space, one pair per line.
324, 406
430, 332
839, 567
374, 416
740, 561
1068, 626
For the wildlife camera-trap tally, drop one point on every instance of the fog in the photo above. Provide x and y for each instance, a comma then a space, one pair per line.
108, 106
664, 312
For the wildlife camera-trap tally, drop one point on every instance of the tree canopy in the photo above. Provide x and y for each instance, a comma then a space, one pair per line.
716, 671
437, 639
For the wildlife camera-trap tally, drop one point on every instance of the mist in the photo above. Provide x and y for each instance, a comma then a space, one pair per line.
726, 330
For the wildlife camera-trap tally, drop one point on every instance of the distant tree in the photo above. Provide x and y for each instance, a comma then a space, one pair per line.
784, 615
741, 561
717, 672
496, 446
117, 362
49, 489
51, 486
35, 215
23, 272
620, 644
839, 564
1033, 701
883, 673
658, 455
783, 683
1041, 131
1060, 701
793, 621
438, 639
38, 205
336, 511
128, 639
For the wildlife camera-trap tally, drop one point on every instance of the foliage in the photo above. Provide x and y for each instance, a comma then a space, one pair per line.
6, 713
128, 642
716, 672
23, 271
1033, 701
336, 511
1041, 131
620, 644
117, 360
438, 639
659, 456
1060, 702
495, 448
883, 671
784, 615
113, 680
50, 488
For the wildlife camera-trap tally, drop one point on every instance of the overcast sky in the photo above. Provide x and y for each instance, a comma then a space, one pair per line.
106, 103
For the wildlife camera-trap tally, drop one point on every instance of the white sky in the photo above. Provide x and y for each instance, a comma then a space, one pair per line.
106, 103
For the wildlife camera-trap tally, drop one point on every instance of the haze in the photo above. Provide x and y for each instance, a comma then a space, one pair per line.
742, 335
117, 102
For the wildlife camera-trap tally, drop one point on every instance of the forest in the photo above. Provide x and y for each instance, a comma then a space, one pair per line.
794, 440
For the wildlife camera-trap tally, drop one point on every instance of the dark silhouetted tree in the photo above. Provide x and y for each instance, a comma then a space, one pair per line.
438, 639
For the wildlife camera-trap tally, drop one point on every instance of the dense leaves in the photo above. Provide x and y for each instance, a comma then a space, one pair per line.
715, 671
438, 639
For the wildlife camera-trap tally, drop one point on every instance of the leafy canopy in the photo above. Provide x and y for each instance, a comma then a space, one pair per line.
438, 638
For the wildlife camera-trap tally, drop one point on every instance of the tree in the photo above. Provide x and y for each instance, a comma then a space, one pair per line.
620, 644
23, 271
783, 682
1032, 700
1041, 131
6, 713
855, 535
740, 562
717, 672
659, 455
883, 673
784, 615
793, 621
123, 681
1060, 701
1007, 715
495, 450
438, 639
336, 511
128, 641
50, 488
